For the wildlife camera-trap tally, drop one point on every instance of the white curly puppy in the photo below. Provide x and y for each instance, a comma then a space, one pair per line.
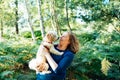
35, 64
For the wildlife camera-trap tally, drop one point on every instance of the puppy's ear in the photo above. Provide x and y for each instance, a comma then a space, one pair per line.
50, 37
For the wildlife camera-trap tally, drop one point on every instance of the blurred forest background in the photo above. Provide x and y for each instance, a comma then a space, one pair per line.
23, 24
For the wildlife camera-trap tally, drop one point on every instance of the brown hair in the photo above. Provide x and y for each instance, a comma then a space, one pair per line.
74, 43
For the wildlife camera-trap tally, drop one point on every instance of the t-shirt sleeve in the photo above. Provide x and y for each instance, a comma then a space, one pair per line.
64, 62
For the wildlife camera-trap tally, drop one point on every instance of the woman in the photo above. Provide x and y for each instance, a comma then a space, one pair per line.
59, 63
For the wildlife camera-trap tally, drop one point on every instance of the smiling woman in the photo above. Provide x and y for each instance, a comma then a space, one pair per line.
69, 45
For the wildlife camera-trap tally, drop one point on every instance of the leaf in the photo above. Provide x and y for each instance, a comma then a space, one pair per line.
105, 66
6, 74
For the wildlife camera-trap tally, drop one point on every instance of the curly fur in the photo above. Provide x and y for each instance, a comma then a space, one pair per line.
39, 63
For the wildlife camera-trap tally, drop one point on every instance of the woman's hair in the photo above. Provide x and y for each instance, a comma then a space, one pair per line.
74, 43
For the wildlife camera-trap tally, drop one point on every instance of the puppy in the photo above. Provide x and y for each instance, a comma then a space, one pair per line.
39, 63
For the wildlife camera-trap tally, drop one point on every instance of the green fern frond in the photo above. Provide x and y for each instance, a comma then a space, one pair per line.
105, 66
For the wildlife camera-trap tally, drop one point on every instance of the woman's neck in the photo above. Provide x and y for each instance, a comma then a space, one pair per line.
61, 47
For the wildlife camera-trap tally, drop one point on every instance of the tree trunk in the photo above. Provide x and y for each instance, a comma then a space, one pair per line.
30, 22
1, 31
41, 18
54, 17
66, 13
16, 15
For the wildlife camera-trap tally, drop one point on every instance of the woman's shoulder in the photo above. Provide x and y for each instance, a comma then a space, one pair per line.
68, 52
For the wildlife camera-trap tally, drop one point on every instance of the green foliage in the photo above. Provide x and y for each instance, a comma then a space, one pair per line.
85, 37
5, 48
105, 66
6, 75
27, 34
87, 63
38, 35
14, 59
100, 43
28, 76
98, 10
6, 36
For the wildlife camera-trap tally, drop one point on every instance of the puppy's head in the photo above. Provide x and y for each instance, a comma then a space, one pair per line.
51, 36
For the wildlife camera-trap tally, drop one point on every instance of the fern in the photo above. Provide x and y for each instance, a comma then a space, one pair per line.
6, 74
105, 66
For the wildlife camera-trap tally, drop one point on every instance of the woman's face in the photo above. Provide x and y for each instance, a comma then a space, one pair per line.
64, 39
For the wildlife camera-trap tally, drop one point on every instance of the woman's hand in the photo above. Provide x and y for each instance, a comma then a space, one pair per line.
42, 67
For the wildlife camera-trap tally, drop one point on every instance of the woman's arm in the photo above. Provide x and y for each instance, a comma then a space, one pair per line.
50, 60
63, 64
